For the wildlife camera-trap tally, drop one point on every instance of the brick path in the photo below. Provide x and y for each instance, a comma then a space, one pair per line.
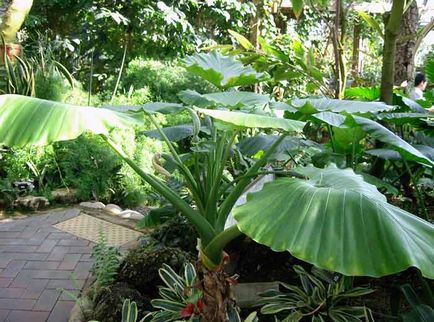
38, 261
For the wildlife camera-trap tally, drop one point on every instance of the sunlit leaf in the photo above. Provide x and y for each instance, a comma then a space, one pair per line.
32, 121
338, 222
222, 71
254, 120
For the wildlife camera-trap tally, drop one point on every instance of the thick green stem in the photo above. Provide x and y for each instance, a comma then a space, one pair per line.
214, 195
230, 201
390, 37
332, 140
205, 230
215, 248
184, 170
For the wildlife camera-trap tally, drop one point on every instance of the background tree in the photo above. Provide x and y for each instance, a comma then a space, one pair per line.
405, 46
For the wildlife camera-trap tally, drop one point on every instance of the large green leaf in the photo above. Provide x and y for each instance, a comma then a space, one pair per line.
152, 108
235, 100
222, 71
407, 104
174, 133
297, 7
252, 145
383, 134
350, 127
363, 93
403, 118
371, 22
338, 222
315, 105
31, 121
243, 41
429, 70
254, 120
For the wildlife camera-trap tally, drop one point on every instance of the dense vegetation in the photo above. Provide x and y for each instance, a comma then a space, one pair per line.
268, 97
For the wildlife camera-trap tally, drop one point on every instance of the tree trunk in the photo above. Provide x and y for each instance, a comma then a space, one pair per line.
255, 31
390, 38
355, 65
405, 46
338, 37
392, 24
217, 295
336, 50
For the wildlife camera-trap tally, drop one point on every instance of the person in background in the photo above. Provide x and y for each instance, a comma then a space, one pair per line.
420, 83
419, 86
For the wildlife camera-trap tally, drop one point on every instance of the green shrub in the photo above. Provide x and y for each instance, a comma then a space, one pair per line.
164, 79
88, 165
33, 163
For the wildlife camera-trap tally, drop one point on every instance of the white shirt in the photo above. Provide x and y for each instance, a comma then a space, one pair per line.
416, 94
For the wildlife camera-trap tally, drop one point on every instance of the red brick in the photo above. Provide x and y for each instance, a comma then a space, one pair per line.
47, 246
70, 261
5, 282
61, 311
35, 288
47, 300
16, 304
11, 293
22, 316
41, 265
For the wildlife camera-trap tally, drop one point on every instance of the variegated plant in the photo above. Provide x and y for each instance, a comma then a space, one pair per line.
322, 297
181, 299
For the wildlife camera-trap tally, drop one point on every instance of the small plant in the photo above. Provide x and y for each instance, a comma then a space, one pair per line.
322, 297
106, 264
180, 297
17, 77
130, 312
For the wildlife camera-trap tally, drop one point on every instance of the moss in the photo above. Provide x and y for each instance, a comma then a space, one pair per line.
109, 300
140, 267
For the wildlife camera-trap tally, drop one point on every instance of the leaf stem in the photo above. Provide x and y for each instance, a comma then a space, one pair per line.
205, 230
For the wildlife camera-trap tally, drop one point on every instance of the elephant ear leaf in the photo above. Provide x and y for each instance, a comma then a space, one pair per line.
32, 121
222, 71
248, 120
337, 221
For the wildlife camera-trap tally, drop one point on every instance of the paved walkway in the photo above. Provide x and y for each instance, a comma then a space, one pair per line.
37, 262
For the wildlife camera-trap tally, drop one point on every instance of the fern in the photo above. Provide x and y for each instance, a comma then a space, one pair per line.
107, 261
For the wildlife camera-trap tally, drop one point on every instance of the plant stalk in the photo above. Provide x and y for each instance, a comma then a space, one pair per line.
205, 230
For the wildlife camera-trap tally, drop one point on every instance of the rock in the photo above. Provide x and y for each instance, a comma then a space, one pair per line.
140, 266
131, 214
64, 196
92, 204
108, 302
113, 209
31, 202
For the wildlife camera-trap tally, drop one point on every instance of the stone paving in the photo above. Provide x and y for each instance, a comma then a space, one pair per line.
37, 263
